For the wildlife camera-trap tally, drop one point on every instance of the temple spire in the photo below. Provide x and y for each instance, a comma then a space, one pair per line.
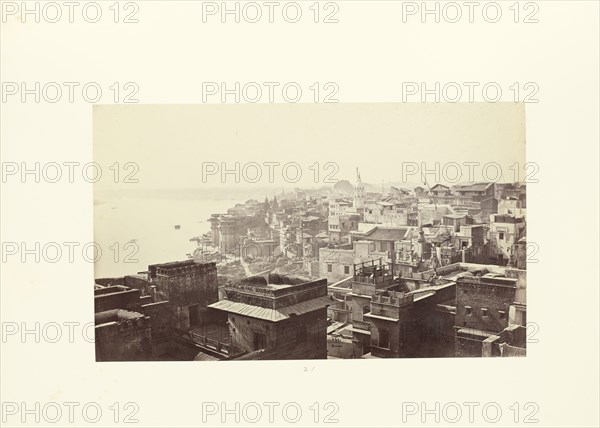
359, 192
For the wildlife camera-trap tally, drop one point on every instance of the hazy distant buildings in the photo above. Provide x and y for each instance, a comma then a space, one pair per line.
477, 191
505, 232
336, 264
440, 190
387, 213
359, 193
340, 227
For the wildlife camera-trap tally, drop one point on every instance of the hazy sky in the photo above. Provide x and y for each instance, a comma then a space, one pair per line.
175, 145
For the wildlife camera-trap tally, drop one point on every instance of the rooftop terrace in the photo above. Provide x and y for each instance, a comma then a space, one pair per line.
275, 291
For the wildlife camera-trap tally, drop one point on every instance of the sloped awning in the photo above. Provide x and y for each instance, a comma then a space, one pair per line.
270, 314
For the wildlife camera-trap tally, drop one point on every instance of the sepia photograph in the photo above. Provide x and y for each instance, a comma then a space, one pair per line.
391, 231
324, 213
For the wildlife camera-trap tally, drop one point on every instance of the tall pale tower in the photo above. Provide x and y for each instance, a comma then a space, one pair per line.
359, 192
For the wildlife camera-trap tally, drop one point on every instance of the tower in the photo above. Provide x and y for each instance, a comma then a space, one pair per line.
359, 192
227, 234
214, 228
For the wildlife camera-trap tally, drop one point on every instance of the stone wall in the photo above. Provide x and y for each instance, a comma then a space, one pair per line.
254, 291
162, 319
186, 284
116, 298
300, 337
485, 302
124, 340
139, 282
422, 331
468, 346
196, 284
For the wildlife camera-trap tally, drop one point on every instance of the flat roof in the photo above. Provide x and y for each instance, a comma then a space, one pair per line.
455, 216
475, 332
359, 330
387, 233
277, 286
380, 317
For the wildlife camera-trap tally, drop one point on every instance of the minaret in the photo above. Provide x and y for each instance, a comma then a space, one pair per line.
359, 192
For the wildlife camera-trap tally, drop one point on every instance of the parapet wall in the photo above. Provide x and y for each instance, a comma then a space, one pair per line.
185, 284
261, 295
125, 340
182, 268
116, 298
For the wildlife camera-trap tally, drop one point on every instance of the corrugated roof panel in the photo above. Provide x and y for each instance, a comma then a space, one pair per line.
268, 313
